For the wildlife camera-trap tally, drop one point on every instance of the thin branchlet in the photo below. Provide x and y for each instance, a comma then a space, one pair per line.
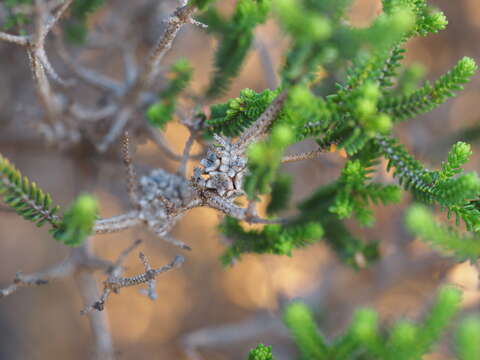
148, 73
258, 129
186, 155
77, 259
116, 281
117, 223
16, 39
132, 183
302, 156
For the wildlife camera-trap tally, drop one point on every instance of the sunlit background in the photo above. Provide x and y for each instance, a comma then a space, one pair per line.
201, 297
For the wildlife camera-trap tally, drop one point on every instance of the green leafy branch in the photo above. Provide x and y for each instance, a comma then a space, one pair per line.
272, 239
15, 19
234, 116
422, 223
76, 25
357, 117
264, 160
318, 208
319, 40
161, 112
354, 193
25, 197
261, 352
34, 205
280, 194
428, 19
363, 339
235, 39
429, 96
450, 187
360, 119
77, 222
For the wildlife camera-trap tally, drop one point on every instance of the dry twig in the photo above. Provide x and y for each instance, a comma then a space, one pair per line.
115, 281
132, 184
303, 156
260, 126
147, 75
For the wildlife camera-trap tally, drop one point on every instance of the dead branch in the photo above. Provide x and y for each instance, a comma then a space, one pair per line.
147, 75
115, 281
117, 223
132, 183
302, 156
158, 138
102, 338
55, 272
15, 39
186, 155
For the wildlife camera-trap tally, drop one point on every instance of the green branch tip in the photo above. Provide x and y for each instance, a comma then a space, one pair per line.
25, 197
468, 339
261, 352
78, 221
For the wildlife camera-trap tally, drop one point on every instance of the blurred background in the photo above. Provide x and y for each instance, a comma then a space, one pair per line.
225, 311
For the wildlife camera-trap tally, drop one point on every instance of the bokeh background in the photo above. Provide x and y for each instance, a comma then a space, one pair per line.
225, 311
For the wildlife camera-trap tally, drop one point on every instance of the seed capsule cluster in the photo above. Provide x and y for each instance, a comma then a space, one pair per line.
156, 189
222, 170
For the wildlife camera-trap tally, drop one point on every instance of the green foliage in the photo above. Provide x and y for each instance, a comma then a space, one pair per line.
356, 115
312, 114
76, 25
264, 159
429, 96
428, 20
354, 194
349, 249
235, 39
25, 197
200, 4
12, 3
316, 210
458, 156
300, 23
180, 76
421, 222
77, 222
409, 79
409, 172
352, 116
392, 64
34, 205
346, 87
363, 107
272, 239
446, 305
15, 20
318, 39
468, 339
363, 339
310, 341
261, 352
234, 116
280, 195
160, 113
449, 187
355, 131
